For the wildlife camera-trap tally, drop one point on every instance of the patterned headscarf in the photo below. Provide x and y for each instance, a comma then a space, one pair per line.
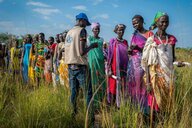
95, 24
157, 16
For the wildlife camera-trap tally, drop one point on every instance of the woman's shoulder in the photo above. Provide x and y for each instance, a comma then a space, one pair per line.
172, 39
151, 38
149, 33
90, 37
12, 48
112, 40
27, 44
125, 41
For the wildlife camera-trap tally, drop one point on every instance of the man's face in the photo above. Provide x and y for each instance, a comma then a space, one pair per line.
82, 23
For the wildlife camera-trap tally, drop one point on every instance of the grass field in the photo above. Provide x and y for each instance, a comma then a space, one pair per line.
21, 106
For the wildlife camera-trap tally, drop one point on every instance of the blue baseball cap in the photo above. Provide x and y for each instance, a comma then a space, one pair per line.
83, 16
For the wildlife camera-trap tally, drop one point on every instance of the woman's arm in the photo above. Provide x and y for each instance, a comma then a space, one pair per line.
173, 49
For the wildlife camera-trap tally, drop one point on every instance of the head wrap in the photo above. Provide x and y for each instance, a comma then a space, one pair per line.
157, 16
95, 24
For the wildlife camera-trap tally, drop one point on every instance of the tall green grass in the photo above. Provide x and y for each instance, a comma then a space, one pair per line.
22, 106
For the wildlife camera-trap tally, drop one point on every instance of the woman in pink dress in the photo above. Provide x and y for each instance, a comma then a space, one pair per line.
136, 85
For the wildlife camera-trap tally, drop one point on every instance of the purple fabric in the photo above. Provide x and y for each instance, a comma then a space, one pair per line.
121, 48
136, 87
121, 62
139, 40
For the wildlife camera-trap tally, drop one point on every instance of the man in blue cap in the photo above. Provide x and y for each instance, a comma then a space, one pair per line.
76, 58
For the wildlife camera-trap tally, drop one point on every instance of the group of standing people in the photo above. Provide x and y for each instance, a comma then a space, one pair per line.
142, 72
115, 71
36, 59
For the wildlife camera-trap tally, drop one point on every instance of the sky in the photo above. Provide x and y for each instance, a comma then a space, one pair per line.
20, 17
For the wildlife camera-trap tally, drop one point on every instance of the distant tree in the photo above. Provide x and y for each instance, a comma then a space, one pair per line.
6, 37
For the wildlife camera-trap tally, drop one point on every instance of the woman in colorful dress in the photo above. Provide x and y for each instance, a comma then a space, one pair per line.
59, 56
40, 59
63, 68
15, 57
32, 59
48, 64
25, 57
55, 74
136, 85
157, 60
97, 66
117, 66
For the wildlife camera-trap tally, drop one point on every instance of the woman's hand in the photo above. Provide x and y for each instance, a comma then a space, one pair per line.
94, 45
133, 46
109, 72
180, 64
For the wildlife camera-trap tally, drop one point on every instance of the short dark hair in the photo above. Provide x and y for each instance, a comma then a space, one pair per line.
51, 38
41, 33
138, 16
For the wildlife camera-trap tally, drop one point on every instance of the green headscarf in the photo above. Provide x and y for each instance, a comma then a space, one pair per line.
157, 16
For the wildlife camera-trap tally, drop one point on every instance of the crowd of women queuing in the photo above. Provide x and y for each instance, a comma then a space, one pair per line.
141, 71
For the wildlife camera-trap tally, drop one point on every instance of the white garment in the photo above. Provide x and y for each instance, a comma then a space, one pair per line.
161, 54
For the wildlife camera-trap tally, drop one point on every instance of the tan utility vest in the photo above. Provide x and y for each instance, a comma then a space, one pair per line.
72, 47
